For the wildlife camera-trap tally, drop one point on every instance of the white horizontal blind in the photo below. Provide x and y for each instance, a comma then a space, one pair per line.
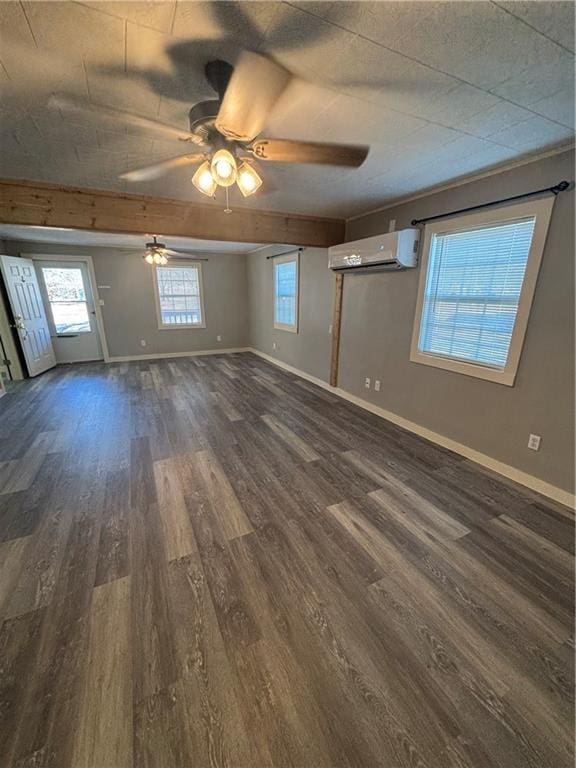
285, 286
179, 294
473, 287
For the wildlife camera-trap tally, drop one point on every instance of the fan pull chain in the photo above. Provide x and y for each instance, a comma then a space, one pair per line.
227, 209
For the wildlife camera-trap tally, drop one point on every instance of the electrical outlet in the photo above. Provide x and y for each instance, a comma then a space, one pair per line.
142, 342
377, 385
391, 225
534, 442
367, 382
274, 345
330, 329
218, 338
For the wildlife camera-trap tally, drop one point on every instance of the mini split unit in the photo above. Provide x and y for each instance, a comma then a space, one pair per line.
382, 253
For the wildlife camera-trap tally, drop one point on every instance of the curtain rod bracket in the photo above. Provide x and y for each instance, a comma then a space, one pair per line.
562, 186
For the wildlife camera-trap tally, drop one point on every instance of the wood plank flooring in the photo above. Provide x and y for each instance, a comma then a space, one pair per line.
209, 563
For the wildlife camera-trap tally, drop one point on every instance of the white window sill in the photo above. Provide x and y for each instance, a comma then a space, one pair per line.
504, 376
181, 327
289, 328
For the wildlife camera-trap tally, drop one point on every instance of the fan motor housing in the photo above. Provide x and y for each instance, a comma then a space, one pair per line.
203, 114
218, 74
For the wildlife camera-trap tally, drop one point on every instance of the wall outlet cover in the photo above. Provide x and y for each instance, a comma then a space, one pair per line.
534, 442
377, 385
218, 338
142, 342
367, 382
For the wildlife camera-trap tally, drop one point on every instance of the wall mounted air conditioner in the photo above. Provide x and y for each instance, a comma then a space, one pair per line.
382, 253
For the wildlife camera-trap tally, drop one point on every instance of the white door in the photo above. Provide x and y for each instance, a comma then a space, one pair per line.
28, 311
67, 293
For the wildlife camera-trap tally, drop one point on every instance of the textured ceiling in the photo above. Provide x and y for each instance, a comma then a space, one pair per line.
58, 236
438, 90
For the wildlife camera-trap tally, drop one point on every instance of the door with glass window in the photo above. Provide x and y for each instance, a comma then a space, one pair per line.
69, 302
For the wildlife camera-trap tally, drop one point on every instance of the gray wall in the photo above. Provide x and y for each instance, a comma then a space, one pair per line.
129, 310
378, 313
309, 349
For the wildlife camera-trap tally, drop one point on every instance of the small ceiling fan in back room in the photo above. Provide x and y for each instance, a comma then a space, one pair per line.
226, 131
159, 253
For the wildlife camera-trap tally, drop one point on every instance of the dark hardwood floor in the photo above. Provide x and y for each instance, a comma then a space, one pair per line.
209, 562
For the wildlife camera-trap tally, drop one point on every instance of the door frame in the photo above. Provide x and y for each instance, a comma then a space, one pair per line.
93, 285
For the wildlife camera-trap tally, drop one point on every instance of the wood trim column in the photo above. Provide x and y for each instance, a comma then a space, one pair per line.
336, 321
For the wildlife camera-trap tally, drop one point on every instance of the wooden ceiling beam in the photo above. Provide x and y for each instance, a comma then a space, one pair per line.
49, 205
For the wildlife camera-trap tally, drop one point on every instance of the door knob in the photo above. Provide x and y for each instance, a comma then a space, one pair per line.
19, 324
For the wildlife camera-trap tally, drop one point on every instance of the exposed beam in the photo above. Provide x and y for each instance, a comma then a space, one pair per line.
49, 205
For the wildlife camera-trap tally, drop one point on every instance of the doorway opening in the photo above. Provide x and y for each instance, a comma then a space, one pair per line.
68, 298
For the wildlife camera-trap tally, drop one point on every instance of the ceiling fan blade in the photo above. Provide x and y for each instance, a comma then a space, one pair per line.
254, 88
187, 255
115, 116
287, 151
159, 169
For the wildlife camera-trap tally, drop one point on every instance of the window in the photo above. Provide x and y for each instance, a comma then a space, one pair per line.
67, 299
286, 292
478, 279
179, 296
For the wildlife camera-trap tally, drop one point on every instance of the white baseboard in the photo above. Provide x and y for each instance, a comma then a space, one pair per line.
512, 473
164, 355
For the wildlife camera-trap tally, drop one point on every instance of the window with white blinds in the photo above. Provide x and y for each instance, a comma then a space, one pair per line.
479, 275
286, 292
179, 296
472, 292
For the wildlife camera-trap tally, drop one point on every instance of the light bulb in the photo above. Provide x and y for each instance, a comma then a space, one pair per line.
223, 168
158, 258
164, 260
206, 181
149, 258
248, 180
203, 180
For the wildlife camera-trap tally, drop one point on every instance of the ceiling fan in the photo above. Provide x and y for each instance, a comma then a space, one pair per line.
225, 130
159, 254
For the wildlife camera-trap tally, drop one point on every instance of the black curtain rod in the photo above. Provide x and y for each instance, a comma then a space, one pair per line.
561, 187
284, 253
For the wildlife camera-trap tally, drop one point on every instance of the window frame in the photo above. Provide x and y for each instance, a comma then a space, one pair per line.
541, 209
178, 326
54, 332
295, 257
